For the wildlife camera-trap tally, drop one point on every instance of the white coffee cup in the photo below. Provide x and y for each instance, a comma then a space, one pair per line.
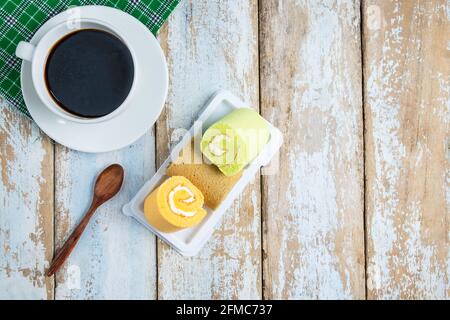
37, 55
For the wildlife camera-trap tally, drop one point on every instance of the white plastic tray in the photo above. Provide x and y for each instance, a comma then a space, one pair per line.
188, 242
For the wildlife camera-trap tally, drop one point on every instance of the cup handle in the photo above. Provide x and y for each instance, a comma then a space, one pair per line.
25, 50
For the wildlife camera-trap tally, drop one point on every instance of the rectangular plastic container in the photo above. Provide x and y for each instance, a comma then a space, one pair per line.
188, 242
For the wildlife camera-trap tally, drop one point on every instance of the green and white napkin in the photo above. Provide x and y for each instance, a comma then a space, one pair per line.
20, 19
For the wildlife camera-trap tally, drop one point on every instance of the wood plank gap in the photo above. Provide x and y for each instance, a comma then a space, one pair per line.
361, 37
155, 131
261, 181
54, 213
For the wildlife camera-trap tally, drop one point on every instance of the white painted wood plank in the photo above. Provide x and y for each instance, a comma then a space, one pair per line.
26, 208
115, 258
407, 81
313, 206
212, 45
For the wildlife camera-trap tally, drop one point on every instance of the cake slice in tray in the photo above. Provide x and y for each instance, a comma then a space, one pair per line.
235, 140
176, 204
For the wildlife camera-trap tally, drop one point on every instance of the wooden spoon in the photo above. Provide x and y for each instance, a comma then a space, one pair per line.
107, 185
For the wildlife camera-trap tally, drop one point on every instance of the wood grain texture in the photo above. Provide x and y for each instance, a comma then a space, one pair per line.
115, 257
407, 94
313, 231
26, 208
303, 59
212, 45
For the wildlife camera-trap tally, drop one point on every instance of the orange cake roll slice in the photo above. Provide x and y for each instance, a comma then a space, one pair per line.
176, 204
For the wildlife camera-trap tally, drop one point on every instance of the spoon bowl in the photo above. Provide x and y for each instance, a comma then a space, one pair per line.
109, 182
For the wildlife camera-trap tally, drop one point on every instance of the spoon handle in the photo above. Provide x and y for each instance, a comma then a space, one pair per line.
71, 242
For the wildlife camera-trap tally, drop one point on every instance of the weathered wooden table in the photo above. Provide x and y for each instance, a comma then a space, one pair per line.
359, 207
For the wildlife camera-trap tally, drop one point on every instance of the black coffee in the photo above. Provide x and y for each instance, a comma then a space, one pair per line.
89, 73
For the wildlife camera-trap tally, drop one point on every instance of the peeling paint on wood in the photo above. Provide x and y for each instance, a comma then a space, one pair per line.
313, 206
115, 258
407, 72
212, 45
26, 208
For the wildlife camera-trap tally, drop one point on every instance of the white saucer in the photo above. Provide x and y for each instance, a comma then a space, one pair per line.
145, 105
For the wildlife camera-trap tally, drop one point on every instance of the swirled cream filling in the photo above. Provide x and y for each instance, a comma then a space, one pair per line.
218, 148
216, 144
173, 206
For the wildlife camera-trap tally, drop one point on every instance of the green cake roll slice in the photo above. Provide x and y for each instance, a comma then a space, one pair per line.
235, 140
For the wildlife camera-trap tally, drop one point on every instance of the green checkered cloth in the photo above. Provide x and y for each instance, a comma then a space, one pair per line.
19, 20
